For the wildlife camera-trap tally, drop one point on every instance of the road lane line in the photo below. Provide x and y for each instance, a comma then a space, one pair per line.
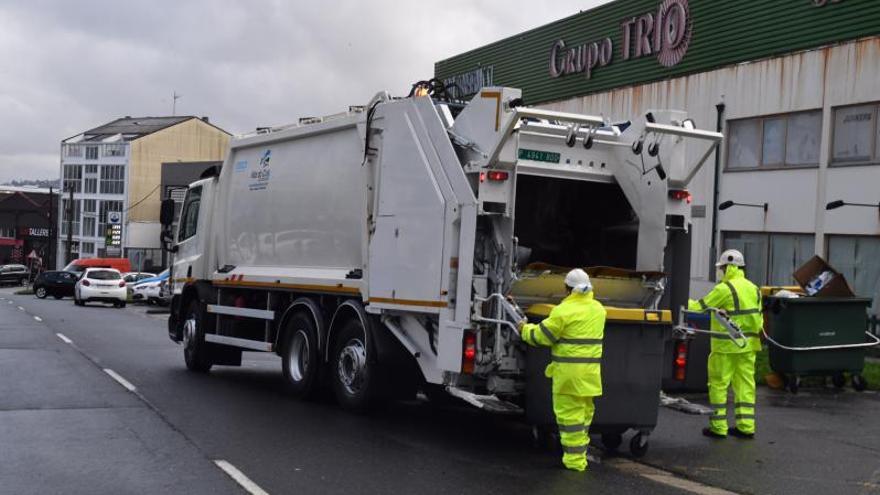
64, 338
665, 477
240, 478
20, 308
38, 318
122, 381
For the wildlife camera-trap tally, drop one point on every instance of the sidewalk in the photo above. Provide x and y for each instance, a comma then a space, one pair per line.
819, 441
68, 427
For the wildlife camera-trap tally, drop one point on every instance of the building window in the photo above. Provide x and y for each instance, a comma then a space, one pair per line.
91, 169
91, 152
856, 137
89, 205
88, 226
858, 259
106, 206
66, 217
72, 151
790, 140
771, 258
112, 179
114, 150
73, 178
7, 231
90, 185
87, 249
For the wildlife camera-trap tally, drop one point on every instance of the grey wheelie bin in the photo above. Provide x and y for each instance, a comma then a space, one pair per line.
632, 369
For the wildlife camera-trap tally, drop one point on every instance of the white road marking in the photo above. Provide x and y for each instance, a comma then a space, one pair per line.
665, 477
122, 381
240, 478
20, 308
64, 338
38, 318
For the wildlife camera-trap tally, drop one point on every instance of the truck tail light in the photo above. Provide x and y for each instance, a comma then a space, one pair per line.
681, 351
681, 195
468, 352
122, 283
86, 283
498, 175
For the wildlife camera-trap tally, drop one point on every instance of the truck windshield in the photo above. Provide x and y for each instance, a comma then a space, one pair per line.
104, 275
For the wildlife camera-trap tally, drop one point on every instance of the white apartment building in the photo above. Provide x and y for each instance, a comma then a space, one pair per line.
116, 168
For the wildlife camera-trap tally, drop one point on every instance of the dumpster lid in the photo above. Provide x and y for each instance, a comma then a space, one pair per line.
617, 287
613, 314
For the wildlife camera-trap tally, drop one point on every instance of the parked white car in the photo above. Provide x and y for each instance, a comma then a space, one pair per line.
100, 285
146, 291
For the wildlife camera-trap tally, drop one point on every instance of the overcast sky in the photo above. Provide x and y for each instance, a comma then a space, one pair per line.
69, 66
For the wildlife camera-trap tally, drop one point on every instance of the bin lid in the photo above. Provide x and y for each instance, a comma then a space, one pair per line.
770, 290
823, 300
613, 314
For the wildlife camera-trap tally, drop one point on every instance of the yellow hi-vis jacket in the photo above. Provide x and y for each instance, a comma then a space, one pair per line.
741, 300
574, 332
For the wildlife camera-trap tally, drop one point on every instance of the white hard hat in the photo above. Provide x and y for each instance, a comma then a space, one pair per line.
579, 281
731, 257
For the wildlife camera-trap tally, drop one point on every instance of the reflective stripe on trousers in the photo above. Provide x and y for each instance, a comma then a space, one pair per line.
573, 417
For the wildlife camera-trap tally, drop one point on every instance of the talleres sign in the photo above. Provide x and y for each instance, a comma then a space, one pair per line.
665, 34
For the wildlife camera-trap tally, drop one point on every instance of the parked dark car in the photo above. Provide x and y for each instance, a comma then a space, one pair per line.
57, 284
14, 275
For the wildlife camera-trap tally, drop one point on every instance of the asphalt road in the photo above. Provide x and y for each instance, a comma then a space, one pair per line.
75, 430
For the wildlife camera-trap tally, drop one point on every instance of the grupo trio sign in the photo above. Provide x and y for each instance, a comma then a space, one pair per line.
631, 42
665, 33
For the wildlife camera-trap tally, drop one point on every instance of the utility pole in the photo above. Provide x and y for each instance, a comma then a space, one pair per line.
174, 98
68, 259
53, 240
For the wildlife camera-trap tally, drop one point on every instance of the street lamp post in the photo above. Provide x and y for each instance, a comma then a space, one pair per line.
840, 203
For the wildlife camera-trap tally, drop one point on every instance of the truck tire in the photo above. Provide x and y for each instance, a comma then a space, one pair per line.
354, 377
195, 349
300, 359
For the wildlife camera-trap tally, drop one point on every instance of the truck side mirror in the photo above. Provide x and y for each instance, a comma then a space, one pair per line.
166, 214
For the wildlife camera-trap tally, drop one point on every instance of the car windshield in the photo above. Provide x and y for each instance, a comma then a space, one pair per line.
103, 275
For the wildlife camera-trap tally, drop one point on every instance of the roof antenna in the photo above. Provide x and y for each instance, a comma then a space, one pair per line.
174, 98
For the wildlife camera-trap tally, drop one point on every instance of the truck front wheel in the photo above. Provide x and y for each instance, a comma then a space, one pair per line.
301, 359
354, 377
195, 349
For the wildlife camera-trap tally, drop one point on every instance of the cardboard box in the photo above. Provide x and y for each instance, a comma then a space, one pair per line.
836, 287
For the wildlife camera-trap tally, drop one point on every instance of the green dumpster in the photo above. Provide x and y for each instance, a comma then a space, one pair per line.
818, 336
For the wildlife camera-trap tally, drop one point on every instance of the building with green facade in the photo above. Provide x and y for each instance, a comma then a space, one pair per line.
793, 84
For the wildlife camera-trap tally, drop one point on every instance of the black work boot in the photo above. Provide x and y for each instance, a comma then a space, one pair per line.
741, 434
707, 432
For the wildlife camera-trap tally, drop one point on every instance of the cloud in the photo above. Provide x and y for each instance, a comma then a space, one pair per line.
70, 66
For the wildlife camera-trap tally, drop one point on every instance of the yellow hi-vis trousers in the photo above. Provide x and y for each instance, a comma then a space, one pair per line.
738, 370
574, 414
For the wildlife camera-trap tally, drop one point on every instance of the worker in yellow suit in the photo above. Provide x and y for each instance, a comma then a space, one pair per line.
574, 332
730, 364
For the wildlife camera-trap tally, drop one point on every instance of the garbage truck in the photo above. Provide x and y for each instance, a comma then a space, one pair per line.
374, 250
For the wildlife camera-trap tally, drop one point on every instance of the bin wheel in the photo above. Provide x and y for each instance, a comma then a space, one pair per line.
859, 383
611, 441
638, 446
794, 384
838, 380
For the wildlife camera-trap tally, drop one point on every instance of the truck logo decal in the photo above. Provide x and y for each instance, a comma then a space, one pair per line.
261, 177
241, 166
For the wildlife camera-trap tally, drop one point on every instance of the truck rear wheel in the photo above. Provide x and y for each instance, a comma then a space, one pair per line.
354, 377
195, 349
300, 359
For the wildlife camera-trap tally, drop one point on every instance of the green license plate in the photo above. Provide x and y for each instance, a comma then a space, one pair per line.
539, 156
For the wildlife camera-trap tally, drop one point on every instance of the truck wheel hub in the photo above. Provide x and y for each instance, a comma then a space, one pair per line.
351, 365
298, 359
189, 332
